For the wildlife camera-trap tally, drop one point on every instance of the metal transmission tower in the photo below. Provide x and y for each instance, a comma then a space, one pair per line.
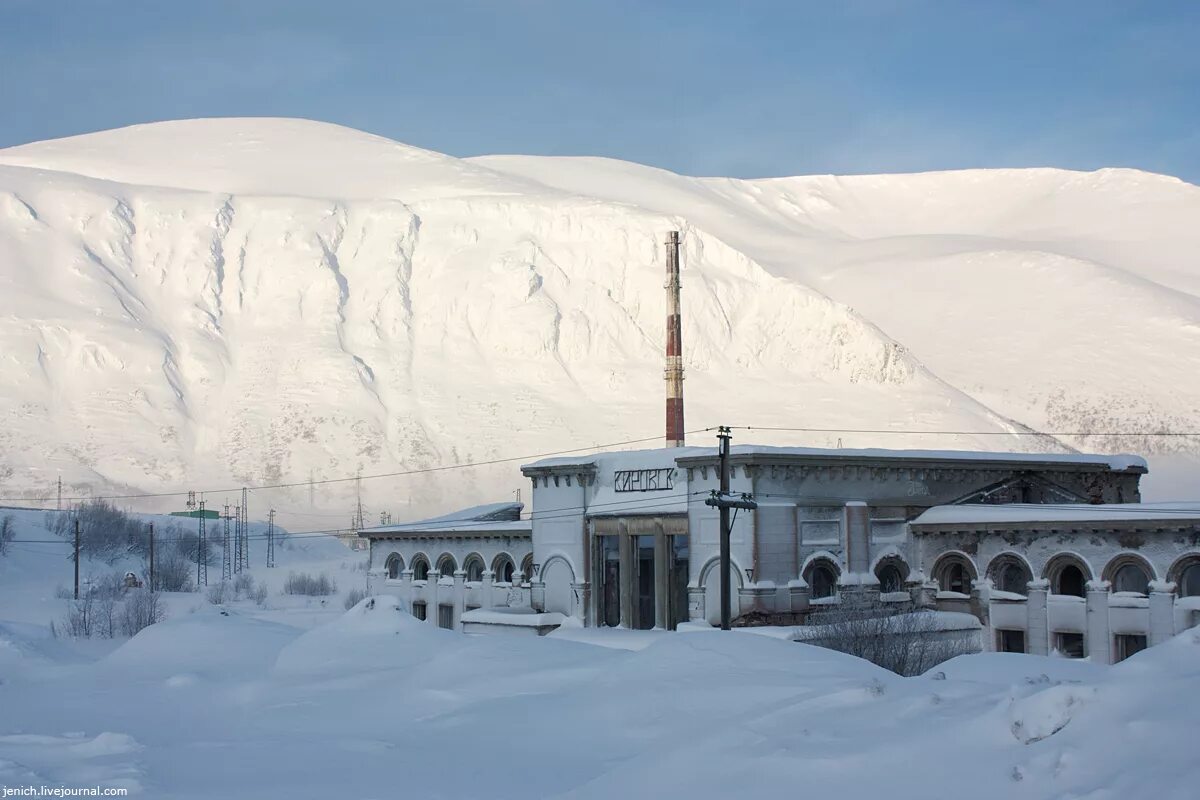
237, 539
360, 520
201, 552
245, 551
226, 551
271, 538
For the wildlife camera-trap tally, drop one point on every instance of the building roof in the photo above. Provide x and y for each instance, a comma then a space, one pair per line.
687, 456
482, 520
1006, 515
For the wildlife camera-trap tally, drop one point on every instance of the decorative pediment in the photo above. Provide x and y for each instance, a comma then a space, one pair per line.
1023, 488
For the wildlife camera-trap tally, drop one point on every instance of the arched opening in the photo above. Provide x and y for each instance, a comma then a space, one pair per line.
420, 568
473, 566
1009, 573
394, 566
821, 575
503, 567
447, 565
527, 567
1189, 581
954, 573
891, 573
1129, 573
1185, 573
1068, 575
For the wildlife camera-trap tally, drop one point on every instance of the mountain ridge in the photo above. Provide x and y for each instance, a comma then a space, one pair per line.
158, 337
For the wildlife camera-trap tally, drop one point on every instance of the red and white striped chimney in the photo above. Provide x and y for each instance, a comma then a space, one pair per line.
674, 370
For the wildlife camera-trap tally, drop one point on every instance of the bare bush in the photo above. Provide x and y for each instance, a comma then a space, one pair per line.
219, 593
141, 609
311, 585
354, 598
105, 531
173, 572
259, 595
907, 643
8, 532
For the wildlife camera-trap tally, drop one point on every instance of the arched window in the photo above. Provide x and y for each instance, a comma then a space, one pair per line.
527, 567
891, 574
1009, 574
447, 565
1070, 581
473, 566
504, 568
822, 578
420, 568
1189, 581
394, 565
1128, 572
889, 579
1130, 577
954, 573
1068, 575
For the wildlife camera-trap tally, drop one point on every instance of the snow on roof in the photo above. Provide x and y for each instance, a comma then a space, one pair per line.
970, 514
489, 517
636, 459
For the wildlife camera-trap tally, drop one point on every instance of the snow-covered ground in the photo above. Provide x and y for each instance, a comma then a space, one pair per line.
215, 303
288, 702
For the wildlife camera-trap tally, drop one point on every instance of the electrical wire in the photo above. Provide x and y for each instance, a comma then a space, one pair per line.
347, 479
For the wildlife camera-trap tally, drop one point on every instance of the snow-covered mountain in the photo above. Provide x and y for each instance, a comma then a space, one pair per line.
245, 301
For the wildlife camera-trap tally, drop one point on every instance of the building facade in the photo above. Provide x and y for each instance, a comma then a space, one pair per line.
447, 566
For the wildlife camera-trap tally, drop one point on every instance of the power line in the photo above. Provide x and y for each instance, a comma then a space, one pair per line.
922, 432
398, 474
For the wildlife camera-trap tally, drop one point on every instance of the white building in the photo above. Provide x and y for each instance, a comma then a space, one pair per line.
1049, 552
446, 566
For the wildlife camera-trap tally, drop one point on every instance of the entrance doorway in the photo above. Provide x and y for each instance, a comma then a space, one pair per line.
609, 558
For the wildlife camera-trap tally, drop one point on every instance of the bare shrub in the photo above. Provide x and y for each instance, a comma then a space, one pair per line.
105, 531
141, 609
173, 570
219, 593
354, 598
243, 586
311, 585
7, 533
906, 643
259, 596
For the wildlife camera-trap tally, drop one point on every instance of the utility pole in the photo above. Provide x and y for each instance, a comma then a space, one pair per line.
77, 558
58, 505
226, 555
271, 538
723, 502
201, 552
152, 556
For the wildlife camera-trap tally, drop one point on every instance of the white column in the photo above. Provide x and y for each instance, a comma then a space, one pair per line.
1162, 612
406, 588
981, 607
1099, 637
856, 525
431, 597
1038, 627
485, 586
460, 597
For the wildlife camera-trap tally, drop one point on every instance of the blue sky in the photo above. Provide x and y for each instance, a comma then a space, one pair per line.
747, 88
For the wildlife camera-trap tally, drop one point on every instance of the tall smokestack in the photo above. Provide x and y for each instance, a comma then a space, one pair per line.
674, 370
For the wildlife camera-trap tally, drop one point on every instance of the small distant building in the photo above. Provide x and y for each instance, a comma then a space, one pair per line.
480, 557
